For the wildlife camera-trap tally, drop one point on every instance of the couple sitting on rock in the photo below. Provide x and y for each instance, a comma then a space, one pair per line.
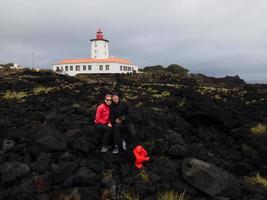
111, 118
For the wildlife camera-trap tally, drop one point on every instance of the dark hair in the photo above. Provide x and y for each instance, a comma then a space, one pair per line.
115, 94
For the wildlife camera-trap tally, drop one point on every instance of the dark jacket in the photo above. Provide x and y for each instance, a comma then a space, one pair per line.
122, 111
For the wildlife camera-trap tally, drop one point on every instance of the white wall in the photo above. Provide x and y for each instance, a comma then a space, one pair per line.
95, 68
99, 49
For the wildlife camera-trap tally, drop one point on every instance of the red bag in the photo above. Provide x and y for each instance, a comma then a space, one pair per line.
140, 156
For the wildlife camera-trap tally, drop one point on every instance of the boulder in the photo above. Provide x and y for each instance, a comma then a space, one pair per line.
8, 145
83, 177
77, 193
210, 179
178, 150
42, 183
42, 164
83, 144
13, 171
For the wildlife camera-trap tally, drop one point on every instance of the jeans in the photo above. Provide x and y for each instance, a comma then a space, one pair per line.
106, 133
117, 128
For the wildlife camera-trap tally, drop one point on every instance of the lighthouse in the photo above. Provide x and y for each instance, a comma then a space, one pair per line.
99, 46
100, 62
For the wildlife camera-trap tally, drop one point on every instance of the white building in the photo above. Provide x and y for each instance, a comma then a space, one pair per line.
99, 63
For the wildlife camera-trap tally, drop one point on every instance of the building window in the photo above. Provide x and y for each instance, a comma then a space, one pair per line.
100, 67
121, 67
95, 51
124, 68
66, 68
84, 67
107, 67
77, 67
58, 69
61, 68
89, 67
95, 45
129, 68
71, 68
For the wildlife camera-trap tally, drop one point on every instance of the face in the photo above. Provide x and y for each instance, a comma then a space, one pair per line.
115, 99
108, 100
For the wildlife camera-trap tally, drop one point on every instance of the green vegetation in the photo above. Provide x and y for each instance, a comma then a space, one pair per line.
144, 176
173, 68
14, 95
258, 179
163, 94
127, 195
38, 90
18, 95
258, 129
172, 196
154, 68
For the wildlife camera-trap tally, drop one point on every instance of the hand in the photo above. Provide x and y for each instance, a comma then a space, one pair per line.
118, 121
109, 124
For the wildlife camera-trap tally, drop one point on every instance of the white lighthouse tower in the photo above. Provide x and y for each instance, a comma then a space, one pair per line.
99, 46
99, 63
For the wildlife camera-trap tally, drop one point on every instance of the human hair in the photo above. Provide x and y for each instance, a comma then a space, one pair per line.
108, 95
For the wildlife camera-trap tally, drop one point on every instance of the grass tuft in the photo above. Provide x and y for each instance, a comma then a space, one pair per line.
170, 195
258, 179
258, 129
144, 176
14, 95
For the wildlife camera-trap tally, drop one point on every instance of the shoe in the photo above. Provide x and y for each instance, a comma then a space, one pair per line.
124, 145
115, 150
104, 149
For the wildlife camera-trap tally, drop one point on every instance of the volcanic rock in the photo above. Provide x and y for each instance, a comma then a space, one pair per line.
210, 179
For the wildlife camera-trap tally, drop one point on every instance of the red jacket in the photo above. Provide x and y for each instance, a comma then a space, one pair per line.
102, 114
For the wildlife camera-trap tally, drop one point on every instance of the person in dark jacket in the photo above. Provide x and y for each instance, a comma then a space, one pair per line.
121, 118
103, 123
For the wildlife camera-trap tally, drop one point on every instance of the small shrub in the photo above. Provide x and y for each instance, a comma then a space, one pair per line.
258, 179
126, 195
172, 196
258, 129
144, 176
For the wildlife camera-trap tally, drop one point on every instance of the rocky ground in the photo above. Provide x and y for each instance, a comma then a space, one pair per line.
197, 131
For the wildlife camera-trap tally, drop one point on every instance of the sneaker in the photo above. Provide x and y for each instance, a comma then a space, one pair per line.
115, 150
104, 149
124, 145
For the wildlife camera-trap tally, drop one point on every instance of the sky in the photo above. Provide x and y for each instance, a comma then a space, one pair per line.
212, 37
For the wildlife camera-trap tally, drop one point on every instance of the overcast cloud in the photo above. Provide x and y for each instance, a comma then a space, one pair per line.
214, 37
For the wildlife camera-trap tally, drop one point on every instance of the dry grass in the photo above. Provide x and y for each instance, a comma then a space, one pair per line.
258, 179
14, 95
130, 196
170, 195
144, 176
45, 90
258, 129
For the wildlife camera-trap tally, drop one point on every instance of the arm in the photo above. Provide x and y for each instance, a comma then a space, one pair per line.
98, 116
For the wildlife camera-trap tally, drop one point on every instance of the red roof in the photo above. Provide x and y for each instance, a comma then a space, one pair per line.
94, 60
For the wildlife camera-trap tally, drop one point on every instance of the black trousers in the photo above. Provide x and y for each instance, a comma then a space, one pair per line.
105, 131
130, 131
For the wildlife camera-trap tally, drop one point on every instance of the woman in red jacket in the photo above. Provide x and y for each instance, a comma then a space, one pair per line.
102, 121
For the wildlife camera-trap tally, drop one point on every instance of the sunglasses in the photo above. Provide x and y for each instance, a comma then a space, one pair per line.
108, 99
